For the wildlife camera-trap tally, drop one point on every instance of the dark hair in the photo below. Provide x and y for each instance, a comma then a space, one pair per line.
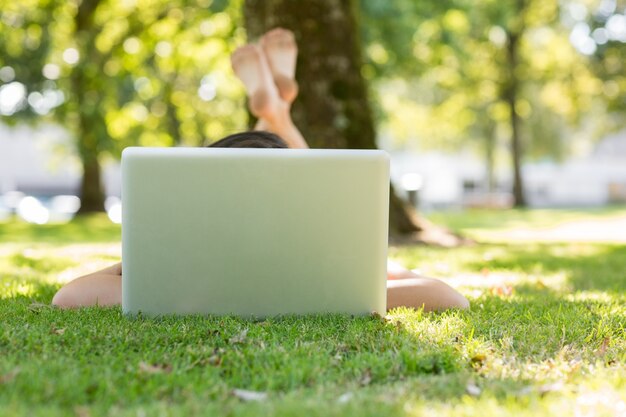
250, 139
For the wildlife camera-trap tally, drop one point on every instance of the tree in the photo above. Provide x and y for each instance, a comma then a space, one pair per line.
479, 73
119, 74
332, 109
598, 30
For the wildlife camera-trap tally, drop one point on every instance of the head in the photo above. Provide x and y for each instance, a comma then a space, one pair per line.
250, 139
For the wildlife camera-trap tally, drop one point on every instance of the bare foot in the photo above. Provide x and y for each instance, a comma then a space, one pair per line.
251, 66
281, 51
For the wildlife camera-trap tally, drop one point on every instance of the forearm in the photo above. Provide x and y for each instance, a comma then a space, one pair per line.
103, 288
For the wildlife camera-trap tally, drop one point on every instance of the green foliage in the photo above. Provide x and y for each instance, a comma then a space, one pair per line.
442, 73
146, 73
547, 334
609, 55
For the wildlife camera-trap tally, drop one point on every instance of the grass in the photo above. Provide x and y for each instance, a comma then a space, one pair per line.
545, 335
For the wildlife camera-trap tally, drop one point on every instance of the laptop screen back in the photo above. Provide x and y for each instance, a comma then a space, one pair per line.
254, 232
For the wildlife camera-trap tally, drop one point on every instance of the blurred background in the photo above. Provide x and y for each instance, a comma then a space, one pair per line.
481, 103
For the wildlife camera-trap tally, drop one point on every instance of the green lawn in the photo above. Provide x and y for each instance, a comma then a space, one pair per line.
545, 335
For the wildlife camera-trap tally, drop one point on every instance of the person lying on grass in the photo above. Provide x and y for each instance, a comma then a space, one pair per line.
267, 71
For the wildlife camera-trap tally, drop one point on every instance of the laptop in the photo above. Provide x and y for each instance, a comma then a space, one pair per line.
254, 232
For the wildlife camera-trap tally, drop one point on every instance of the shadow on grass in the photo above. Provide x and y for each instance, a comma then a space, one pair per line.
602, 269
98, 356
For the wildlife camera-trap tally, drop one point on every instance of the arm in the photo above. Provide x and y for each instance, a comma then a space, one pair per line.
101, 288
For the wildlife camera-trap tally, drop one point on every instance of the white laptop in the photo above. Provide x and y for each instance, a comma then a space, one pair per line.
254, 232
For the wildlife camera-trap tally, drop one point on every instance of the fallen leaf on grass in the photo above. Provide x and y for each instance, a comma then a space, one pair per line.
159, 368
245, 395
473, 389
478, 359
554, 387
502, 290
239, 338
213, 332
37, 307
366, 378
344, 398
214, 360
603, 346
59, 331
82, 411
377, 316
9, 376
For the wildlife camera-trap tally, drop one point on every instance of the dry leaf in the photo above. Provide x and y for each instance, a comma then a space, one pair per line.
376, 315
214, 360
37, 307
473, 389
544, 389
158, 368
478, 359
366, 378
344, 398
59, 331
213, 332
82, 411
9, 376
239, 338
603, 346
502, 290
246, 395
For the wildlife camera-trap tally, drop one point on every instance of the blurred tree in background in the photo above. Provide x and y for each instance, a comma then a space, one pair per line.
150, 72
457, 73
599, 27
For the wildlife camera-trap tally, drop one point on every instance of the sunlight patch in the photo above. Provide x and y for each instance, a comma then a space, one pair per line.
605, 402
13, 289
600, 296
501, 282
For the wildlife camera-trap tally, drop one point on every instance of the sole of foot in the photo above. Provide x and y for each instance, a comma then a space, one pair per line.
279, 46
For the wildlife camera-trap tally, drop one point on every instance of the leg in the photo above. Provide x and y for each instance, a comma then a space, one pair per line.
280, 48
270, 98
408, 289
431, 294
102, 288
250, 65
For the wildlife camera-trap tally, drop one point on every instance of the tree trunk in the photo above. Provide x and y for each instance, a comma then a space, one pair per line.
332, 108
489, 135
91, 192
90, 123
511, 92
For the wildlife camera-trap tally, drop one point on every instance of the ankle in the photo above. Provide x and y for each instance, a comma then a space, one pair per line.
280, 119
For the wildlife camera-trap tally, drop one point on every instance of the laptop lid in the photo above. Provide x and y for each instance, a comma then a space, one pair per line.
254, 232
